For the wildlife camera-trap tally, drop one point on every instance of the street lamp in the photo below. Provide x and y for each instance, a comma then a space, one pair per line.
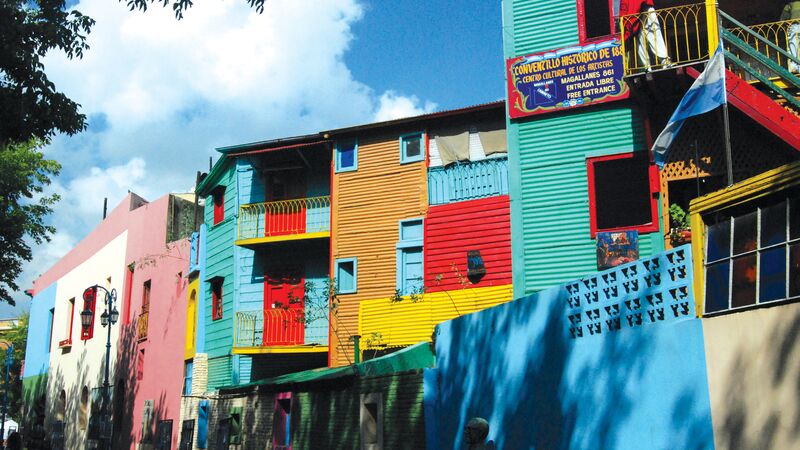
108, 318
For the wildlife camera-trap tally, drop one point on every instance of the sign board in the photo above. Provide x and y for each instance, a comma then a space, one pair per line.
475, 265
616, 248
566, 78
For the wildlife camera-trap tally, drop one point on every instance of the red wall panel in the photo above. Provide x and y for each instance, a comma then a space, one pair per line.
453, 229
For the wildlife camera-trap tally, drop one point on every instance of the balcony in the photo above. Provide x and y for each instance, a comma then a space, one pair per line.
141, 327
279, 331
284, 220
681, 32
467, 181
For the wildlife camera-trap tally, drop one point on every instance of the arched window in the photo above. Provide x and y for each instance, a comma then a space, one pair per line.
83, 414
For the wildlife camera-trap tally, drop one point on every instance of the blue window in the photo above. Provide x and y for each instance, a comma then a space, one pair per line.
346, 155
187, 378
346, 275
412, 148
410, 267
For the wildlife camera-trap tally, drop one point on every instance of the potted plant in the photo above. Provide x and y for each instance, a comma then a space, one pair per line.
680, 227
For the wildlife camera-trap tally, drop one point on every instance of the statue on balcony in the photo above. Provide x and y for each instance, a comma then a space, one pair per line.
643, 30
792, 12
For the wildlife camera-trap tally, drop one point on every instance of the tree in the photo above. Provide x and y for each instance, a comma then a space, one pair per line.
30, 105
179, 6
18, 336
24, 172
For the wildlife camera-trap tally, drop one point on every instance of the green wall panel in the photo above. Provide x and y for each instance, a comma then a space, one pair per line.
534, 26
550, 195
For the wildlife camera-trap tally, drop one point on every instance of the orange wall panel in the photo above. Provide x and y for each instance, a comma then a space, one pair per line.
367, 206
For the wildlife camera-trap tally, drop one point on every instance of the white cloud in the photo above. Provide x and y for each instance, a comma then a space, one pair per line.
161, 94
393, 106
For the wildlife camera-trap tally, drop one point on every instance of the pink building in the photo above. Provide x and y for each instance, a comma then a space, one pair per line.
141, 250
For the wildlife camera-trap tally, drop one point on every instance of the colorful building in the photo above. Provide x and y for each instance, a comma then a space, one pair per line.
584, 110
420, 229
136, 251
267, 218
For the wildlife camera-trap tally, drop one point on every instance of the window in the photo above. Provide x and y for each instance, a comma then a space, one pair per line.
753, 255
187, 435
346, 155
216, 298
595, 19
89, 302
282, 422
50, 328
346, 276
146, 296
61, 406
622, 192
411, 148
371, 421
219, 204
126, 308
187, 377
409, 257
140, 365
164, 435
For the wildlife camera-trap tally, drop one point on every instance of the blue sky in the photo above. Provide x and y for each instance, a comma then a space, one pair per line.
160, 94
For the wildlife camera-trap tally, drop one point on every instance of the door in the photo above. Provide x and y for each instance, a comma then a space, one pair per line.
284, 307
286, 207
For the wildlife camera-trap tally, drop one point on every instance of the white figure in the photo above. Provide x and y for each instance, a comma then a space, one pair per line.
651, 48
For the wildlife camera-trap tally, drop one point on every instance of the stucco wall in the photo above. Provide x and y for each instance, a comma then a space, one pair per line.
518, 365
754, 377
82, 364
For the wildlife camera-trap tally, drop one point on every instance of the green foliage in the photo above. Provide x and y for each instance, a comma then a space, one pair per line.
179, 6
30, 105
678, 217
17, 336
24, 172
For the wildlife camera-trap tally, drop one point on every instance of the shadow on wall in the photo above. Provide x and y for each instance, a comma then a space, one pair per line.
129, 422
517, 366
756, 381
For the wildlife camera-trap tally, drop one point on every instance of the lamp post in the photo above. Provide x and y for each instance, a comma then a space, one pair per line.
109, 317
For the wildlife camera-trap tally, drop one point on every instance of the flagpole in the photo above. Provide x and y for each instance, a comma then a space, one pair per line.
725, 117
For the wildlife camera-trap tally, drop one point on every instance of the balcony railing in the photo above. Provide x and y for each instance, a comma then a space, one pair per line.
278, 327
664, 38
285, 217
776, 33
141, 326
467, 181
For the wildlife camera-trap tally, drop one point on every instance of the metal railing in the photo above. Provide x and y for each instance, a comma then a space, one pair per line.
141, 326
664, 38
467, 181
285, 217
277, 327
778, 33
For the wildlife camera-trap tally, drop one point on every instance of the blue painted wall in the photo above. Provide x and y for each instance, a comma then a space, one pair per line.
541, 384
37, 349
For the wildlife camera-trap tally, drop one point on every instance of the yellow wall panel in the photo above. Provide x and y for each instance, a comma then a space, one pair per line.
384, 322
367, 205
189, 348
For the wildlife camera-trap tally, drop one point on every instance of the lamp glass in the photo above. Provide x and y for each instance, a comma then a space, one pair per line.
86, 318
104, 319
114, 316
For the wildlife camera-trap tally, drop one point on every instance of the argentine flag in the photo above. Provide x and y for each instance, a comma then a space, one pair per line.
707, 92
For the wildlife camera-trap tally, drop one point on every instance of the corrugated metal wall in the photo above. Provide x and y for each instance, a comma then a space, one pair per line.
555, 244
453, 229
541, 25
384, 322
220, 254
367, 207
330, 419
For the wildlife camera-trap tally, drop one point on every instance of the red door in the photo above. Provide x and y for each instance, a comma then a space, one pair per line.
286, 211
284, 308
